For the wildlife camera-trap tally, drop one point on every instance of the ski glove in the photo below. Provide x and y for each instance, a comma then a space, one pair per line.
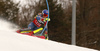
46, 19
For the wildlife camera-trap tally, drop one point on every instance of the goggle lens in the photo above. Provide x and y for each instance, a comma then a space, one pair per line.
45, 15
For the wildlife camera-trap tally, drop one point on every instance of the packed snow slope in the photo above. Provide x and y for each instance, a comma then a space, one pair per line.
12, 41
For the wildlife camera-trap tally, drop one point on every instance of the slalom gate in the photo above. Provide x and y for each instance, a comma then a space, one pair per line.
47, 19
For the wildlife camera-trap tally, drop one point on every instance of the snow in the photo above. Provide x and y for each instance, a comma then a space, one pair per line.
6, 25
12, 41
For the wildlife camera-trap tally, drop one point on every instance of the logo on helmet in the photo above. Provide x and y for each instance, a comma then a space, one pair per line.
46, 11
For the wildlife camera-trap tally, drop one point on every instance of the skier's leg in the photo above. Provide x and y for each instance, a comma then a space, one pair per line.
31, 26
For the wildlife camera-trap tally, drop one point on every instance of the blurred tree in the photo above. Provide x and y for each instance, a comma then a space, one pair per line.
8, 10
88, 23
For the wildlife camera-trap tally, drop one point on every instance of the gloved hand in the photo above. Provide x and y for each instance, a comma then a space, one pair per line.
46, 19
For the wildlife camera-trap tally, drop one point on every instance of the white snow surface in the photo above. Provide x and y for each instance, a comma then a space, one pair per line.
12, 41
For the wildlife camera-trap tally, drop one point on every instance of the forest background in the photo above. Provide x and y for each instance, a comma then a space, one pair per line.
87, 19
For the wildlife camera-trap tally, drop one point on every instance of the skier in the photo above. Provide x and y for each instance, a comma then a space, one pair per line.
40, 19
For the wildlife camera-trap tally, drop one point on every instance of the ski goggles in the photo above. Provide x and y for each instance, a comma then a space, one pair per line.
45, 15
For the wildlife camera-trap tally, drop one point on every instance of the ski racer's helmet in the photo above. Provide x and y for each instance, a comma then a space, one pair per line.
45, 13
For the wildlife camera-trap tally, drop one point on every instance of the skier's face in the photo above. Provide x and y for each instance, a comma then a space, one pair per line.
45, 15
